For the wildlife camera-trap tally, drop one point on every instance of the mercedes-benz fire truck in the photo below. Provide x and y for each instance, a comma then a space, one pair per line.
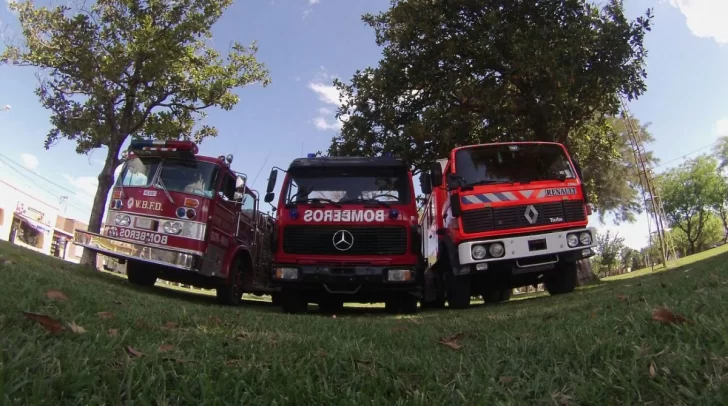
500, 216
186, 218
347, 232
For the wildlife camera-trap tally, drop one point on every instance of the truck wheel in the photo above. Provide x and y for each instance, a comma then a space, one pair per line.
496, 295
458, 291
230, 292
331, 306
293, 303
562, 279
140, 274
275, 298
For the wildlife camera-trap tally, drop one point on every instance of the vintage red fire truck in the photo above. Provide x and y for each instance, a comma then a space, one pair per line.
181, 217
500, 216
347, 232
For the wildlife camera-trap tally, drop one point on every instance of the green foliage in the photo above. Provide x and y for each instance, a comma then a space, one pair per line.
130, 68
711, 234
465, 72
610, 247
689, 193
721, 151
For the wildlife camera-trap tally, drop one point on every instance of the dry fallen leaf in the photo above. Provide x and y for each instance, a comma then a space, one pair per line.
166, 347
452, 341
56, 295
113, 332
170, 325
76, 328
105, 315
505, 379
665, 316
653, 369
50, 324
131, 351
622, 298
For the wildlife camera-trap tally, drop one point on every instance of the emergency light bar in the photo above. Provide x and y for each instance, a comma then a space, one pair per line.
167, 148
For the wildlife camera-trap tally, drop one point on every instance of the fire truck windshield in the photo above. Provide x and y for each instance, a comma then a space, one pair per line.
348, 185
512, 163
177, 175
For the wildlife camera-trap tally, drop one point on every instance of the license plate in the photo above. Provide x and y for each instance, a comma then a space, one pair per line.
143, 223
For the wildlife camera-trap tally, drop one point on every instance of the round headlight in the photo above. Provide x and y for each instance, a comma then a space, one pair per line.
478, 252
496, 249
122, 220
572, 240
172, 227
585, 238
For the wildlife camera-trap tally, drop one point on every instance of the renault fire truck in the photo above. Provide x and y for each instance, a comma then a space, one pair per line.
186, 218
347, 232
500, 216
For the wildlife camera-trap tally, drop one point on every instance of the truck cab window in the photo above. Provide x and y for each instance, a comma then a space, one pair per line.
248, 206
228, 187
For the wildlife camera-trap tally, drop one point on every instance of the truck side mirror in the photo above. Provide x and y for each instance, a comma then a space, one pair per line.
271, 183
435, 174
240, 183
269, 197
425, 183
238, 196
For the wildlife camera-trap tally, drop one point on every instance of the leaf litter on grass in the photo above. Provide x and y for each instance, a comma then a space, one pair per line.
665, 316
50, 324
54, 294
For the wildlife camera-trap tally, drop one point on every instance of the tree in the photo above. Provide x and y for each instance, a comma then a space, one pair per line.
129, 68
461, 72
721, 151
609, 246
720, 205
688, 193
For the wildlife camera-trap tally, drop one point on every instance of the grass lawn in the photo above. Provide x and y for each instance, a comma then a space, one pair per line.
599, 346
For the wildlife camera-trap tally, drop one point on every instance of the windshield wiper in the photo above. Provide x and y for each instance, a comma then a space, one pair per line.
314, 199
159, 184
359, 199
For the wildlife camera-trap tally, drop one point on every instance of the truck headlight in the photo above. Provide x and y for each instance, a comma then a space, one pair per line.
497, 250
122, 220
286, 273
585, 238
572, 240
399, 275
478, 252
172, 227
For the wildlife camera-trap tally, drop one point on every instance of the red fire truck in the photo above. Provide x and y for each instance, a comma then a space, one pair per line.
500, 216
181, 217
347, 232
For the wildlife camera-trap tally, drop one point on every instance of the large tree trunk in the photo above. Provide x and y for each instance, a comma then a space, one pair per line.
584, 273
106, 181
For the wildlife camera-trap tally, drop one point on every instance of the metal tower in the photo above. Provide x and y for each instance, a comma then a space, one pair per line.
650, 195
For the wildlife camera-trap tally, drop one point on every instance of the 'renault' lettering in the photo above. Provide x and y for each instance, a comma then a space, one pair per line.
367, 216
147, 205
563, 191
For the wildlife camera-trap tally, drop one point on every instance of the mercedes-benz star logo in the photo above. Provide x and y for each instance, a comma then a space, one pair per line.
343, 240
531, 214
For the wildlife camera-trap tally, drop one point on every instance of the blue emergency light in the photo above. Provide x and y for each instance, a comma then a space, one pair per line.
163, 146
311, 155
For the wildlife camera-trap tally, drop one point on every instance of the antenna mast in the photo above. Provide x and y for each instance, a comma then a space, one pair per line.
651, 199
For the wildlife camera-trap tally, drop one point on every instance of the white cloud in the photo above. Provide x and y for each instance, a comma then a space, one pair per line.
721, 127
309, 8
326, 93
322, 124
29, 161
705, 18
312, 2
87, 185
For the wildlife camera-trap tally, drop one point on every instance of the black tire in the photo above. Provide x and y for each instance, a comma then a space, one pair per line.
140, 274
561, 280
408, 304
275, 298
506, 294
458, 291
293, 303
230, 292
331, 306
391, 306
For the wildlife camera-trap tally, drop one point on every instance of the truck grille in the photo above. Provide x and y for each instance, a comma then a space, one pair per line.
504, 218
319, 240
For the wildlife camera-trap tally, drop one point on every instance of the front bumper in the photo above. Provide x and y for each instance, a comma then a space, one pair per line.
121, 249
351, 279
553, 243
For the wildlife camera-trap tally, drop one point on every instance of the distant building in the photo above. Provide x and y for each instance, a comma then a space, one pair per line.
29, 221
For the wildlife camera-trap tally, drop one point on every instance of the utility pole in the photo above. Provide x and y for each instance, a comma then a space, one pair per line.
650, 196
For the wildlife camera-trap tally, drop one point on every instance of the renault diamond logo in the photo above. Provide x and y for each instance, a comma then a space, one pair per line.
343, 240
531, 214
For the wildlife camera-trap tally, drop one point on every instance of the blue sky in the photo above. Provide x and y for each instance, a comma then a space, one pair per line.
306, 43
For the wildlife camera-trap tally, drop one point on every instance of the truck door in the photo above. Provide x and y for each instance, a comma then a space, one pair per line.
225, 218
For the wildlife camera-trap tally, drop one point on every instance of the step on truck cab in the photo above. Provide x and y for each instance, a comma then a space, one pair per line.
187, 218
347, 232
500, 216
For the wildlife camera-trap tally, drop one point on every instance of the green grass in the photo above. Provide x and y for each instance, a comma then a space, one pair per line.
680, 262
597, 346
